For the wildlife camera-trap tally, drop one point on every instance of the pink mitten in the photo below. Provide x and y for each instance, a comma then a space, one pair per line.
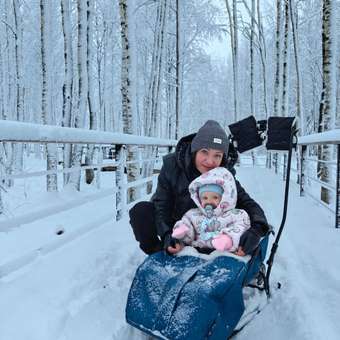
180, 231
222, 242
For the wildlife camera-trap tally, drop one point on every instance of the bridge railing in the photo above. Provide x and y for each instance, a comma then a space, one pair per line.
320, 169
111, 158
309, 169
115, 143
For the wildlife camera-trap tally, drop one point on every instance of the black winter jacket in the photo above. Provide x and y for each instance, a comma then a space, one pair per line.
172, 198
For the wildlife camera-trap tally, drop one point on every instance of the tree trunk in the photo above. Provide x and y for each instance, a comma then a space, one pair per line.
263, 56
284, 102
2, 173
278, 57
235, 24
51, 180
132, 169
18, 79
81, 111
178, 64
232, 15
89, 173
326, 111
252, 36
153, 95
299, 112
277, 71
68, 79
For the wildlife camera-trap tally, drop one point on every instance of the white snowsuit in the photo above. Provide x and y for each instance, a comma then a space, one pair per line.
225, 219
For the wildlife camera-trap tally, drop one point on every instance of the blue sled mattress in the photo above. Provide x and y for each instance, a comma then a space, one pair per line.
189, 297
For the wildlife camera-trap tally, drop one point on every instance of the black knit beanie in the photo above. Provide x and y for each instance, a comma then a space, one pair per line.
210, 136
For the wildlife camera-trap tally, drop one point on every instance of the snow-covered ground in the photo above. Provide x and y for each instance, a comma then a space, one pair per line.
78, 291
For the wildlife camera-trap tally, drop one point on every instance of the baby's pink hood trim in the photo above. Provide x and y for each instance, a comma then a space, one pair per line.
219, 176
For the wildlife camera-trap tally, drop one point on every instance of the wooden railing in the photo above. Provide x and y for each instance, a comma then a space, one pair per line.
305, 165
110, 145
310, 162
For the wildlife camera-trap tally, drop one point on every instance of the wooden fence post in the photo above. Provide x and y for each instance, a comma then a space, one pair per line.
120, 181
337, 208
302, 170
284, 167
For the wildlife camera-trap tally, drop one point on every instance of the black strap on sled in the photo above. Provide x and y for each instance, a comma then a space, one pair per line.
270, 261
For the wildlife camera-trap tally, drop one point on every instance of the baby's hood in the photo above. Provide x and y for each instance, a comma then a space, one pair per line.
222, 177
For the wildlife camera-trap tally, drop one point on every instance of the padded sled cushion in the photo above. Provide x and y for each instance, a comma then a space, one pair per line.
245, 133
187, 297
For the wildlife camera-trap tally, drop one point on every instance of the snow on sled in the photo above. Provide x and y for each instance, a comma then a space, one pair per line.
191, 297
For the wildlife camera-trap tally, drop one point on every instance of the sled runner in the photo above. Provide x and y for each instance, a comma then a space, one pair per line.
195, 296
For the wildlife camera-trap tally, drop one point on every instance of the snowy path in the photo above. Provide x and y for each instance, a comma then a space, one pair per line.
306, 266
79, 290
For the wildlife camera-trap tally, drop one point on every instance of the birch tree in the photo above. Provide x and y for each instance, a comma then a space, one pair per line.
252, 37
9, 84
81, 109
51, 179
233, 26
18, 79
277, 69
284, 101
68, 78
152, 114
278, 58
91, 98
294, 23
299, 112
327, 105
285, 72
132, 170
257, 40
171, 90
178, 65
263, 56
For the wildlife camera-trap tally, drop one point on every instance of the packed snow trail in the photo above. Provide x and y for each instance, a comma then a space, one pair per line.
305, 265
78, 292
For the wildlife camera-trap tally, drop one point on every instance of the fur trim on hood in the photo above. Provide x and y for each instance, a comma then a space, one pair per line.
222, 177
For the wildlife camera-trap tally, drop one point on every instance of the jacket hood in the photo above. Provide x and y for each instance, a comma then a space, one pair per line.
222, 177
184, 157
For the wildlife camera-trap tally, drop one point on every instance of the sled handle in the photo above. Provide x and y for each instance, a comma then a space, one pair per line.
285, 206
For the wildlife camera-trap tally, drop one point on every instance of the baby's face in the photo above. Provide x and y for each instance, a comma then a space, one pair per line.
210, 198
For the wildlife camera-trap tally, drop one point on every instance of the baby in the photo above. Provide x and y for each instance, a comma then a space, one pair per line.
215, 223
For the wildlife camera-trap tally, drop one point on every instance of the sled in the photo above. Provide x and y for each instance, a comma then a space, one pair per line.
195, 296
191, 297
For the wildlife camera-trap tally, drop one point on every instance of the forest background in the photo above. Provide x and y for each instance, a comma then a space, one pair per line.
147, 68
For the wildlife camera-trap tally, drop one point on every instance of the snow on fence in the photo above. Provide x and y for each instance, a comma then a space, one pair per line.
306, 166
116, 143
322, 152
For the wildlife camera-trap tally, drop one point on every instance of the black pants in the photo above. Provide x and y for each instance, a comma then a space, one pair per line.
142, 220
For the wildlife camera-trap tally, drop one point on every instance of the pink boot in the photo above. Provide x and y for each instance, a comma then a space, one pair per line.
222, 242
180, 231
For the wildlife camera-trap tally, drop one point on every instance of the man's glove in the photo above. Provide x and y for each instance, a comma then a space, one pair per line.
169, 241
250, 240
